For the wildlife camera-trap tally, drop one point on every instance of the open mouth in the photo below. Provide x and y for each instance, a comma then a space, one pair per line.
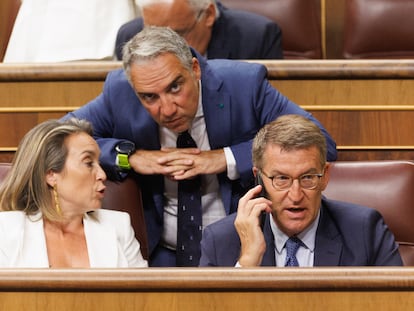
102, 191
295, 210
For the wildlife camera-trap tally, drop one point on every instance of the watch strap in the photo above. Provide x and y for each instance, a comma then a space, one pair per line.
123, 162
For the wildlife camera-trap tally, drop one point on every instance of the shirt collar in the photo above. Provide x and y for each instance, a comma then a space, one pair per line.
200, 112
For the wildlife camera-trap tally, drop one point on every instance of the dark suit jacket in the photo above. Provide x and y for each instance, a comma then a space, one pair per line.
236, 35
237, 101
347, 235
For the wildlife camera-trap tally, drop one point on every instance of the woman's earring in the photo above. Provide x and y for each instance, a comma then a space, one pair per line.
57, 205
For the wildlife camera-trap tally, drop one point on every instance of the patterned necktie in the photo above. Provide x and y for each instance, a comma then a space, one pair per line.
189, 218
292, 245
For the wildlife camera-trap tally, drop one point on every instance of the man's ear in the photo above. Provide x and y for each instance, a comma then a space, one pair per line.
196, 68
325, 177
210, 15
255, 171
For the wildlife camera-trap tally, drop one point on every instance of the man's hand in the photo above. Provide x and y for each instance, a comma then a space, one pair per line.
253, 245
178, 163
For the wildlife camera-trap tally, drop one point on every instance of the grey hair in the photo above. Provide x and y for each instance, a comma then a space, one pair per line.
290, 132
196, 5
152, 42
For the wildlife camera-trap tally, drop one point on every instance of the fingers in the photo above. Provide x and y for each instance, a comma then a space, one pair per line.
247, 225
174, 156
253, 204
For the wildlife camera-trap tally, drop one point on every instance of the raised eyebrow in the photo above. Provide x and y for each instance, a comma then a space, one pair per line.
167, 88
175, 81
142, 94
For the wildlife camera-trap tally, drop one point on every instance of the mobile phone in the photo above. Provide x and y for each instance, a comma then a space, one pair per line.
259, 181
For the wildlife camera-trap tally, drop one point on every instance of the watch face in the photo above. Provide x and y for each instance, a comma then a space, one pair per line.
125, 147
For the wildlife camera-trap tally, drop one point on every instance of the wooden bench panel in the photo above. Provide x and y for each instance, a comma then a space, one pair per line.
13, 126
48, 94
369, 128
348, 92
353, 289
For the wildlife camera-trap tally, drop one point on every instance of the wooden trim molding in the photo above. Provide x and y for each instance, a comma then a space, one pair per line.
188, 289
371, 148
306, 107
323, 27
278, 69
339, 69
209, 279
339, 148
65, 71
358, 107
37, 109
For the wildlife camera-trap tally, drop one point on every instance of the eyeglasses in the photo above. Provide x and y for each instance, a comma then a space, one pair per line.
184, 32
283, 182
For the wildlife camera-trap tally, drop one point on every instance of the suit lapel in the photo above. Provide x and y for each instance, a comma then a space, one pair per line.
328, 247
102, 243
34, 250
216, 108
269, 255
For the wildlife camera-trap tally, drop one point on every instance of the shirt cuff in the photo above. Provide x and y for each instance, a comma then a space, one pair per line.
232, 172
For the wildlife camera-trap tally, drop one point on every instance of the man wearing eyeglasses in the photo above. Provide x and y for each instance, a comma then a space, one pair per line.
212, 29
301, 227
166, 93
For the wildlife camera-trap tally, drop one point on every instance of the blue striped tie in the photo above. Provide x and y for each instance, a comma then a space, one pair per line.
292, 245
189, 218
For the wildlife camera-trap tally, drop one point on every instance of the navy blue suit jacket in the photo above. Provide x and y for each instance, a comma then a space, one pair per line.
347, 235
237, 101
236, 35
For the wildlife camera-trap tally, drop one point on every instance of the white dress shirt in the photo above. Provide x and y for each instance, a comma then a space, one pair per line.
305, 254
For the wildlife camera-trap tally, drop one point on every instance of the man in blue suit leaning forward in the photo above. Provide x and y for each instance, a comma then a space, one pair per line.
166, 88
299, 227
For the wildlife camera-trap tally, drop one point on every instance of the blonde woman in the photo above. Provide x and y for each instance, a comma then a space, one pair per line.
51, 202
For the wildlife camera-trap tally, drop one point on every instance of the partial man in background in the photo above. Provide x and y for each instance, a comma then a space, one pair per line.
212, 29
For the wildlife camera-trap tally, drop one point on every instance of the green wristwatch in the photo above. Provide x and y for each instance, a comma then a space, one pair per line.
125, 149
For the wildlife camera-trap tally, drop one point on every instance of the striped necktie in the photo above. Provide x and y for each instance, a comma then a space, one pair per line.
189, 218
292, 246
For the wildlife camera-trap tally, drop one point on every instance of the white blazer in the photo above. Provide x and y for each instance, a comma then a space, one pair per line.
110, 240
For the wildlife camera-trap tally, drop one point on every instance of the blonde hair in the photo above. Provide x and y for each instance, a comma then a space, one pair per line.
40, 151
